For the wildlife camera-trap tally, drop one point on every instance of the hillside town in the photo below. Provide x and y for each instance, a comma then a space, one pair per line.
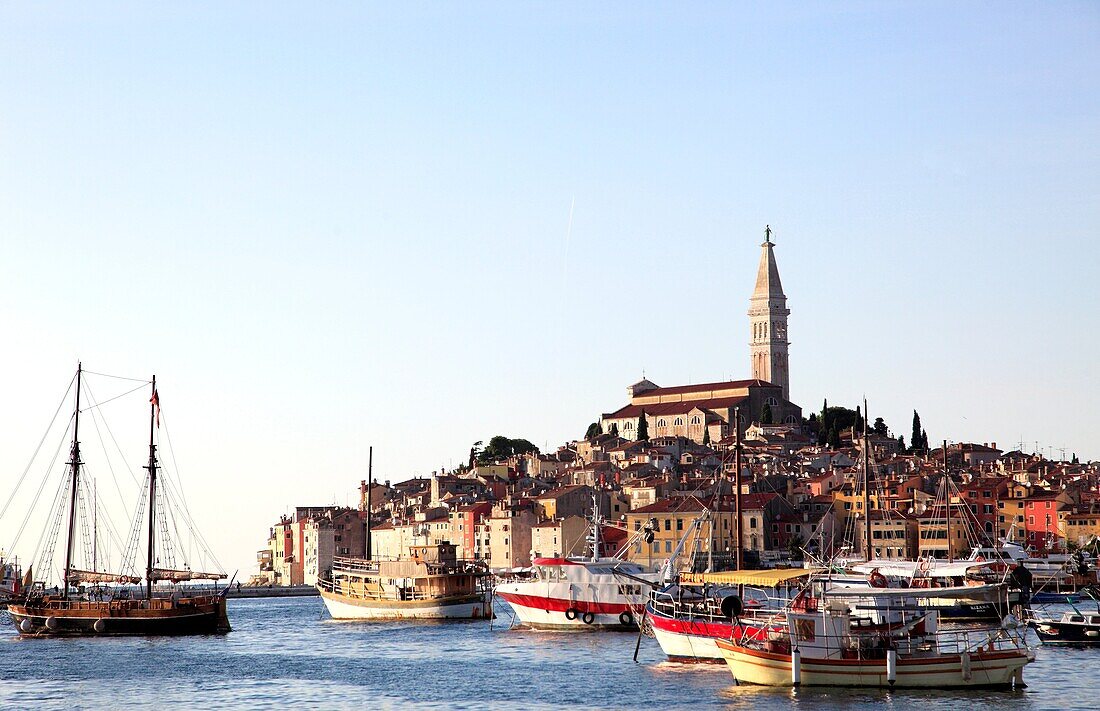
797, 499
669, 454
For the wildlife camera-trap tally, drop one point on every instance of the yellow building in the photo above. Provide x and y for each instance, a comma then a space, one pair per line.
932, 534
1082, 528
561, 538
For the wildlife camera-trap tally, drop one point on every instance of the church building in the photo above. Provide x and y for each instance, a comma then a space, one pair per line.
707, 411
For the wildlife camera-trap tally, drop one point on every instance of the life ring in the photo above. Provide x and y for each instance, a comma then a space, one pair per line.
571, 613
626, 618
924, 566
876, 579
588, 618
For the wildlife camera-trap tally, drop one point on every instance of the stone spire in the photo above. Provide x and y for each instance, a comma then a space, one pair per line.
768, 321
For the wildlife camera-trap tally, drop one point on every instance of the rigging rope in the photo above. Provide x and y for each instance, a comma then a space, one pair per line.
38, 448
116, 397
146, 381
38, 494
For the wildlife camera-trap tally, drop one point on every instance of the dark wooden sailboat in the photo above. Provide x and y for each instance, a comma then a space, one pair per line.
115, 609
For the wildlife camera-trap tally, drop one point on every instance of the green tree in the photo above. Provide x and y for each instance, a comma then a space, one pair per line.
501, 447
794, 547
594, 430
901, 443
857, 423
706, 435
840, 417
766, 415
834, 437
614, 431
880, 427
643, 428
915, 441
1074, 460
924, 440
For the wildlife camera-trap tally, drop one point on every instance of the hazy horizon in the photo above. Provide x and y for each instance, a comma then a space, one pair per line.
419, 226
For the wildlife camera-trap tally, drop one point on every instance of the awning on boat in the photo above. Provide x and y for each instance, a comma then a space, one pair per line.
176, 576
95, 576
757, 578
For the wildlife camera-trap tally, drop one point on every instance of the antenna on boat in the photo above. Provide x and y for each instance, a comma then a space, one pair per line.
594, 537
74, 463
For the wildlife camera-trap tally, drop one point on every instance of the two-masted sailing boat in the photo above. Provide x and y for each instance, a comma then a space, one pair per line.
114, 605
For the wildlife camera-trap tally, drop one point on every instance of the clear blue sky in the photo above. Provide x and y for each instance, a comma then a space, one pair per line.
344, 225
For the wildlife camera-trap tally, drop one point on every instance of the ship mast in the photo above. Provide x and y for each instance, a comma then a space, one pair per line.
737, 486
866, 488
74, 464
370, 485
947, 501
152, 467
595, 535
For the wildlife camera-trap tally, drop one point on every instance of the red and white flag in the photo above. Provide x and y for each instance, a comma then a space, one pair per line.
156, 403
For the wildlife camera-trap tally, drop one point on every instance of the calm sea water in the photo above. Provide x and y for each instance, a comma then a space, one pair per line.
286, 652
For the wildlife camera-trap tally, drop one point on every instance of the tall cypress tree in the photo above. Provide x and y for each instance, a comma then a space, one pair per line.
643, 428
857, 426
924, 440
915, 440
614, 431
706, 435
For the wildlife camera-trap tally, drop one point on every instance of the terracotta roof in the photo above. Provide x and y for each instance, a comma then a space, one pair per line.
704, 387
689, 504
558, 493
756, 501
675, 408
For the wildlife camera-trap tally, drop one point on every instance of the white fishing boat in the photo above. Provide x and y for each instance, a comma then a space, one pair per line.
822, 643
574, 593
431, 584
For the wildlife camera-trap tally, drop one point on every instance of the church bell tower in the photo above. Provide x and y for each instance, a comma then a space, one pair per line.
768, 322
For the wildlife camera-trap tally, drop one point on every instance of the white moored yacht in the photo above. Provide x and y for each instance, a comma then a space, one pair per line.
581, 593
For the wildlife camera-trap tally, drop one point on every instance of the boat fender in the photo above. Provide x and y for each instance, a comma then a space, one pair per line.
732, 606
571, 613
626, 618
476, 613
1092, 633
876, 579
26, 625
588, 618
51, 623
796, 667
99, 626
891, 666
965, 658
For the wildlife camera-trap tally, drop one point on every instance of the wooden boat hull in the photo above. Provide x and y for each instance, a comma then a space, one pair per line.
188, 616
997, 669
461, 607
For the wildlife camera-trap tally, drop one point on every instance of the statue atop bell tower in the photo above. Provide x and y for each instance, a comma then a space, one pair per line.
768, 322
